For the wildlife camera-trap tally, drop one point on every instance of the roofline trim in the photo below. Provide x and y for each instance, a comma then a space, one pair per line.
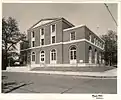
42, 20
74, 27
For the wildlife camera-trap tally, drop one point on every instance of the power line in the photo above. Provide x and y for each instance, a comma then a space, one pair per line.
110, 14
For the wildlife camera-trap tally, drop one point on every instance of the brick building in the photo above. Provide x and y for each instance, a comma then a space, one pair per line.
57, 42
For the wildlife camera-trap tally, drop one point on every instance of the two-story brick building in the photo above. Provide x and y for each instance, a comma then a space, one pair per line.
57, 42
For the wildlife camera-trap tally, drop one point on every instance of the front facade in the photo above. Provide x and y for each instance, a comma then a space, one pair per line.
57, 42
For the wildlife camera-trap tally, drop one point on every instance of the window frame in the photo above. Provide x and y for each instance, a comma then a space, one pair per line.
34, 56
90, 37
42, 31
52, 33
73, 53
42, 36
52, 28
53, 55
71, 36
33, 43
32, 38
54, 39
42, 56
43, 42
33, 34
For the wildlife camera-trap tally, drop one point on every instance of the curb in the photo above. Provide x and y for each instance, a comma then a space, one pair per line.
65, 74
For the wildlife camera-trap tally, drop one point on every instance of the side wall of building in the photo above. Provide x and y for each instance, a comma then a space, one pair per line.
87, 45
80, 34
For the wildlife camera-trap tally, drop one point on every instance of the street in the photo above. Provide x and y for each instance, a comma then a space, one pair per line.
45, 83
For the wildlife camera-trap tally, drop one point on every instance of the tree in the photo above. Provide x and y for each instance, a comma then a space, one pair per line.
110, 53
10, 37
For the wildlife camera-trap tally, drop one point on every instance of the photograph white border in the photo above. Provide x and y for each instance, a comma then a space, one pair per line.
33, 96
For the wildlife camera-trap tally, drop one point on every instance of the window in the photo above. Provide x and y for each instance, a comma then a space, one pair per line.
33, 56
95, 56
73, 53
32, 39
53, 28
42, 41
53, 54
42, 56
95, 41
100, 58
33, 34
90, 37
42, 31
53, 33
72, 36
102, 45
33, 43
53, 39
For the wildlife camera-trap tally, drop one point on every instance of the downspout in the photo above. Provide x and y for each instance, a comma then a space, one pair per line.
62, 42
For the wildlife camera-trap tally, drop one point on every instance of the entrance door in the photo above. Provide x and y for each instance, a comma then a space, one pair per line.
33, 58
90, 55
53, 56
42, 57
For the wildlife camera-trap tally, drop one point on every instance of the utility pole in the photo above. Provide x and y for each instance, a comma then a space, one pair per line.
110, 13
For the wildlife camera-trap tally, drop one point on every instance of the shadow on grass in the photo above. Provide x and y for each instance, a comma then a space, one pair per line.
10, 86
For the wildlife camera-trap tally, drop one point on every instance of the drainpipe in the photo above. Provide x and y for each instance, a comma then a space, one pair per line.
62, 42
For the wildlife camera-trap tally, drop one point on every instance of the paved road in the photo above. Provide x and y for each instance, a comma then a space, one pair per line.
43, 83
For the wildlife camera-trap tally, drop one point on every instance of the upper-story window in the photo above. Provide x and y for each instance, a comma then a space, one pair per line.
53, 33
53, 28
53, 39
90, 37
94, 40
42, 31
103, 46
33, 43
32, 39
33, 34
100, 44
72, 36
97, 42
42, 41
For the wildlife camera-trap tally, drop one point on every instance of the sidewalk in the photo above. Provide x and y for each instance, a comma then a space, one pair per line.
107, 74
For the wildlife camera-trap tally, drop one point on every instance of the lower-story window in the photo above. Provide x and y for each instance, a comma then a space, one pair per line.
33, 56
42, 56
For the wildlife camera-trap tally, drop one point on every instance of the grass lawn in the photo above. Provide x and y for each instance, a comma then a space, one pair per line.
73, 69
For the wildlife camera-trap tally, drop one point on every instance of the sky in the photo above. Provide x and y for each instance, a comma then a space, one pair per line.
94, 15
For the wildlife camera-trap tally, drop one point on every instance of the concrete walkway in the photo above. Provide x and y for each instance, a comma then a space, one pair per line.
107, 74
